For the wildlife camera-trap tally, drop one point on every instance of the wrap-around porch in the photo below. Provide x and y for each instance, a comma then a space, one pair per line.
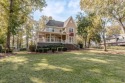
52, 38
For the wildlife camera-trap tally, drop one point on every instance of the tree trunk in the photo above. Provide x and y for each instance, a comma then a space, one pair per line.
20, 44
9, 25
20, 40
27, 42
8, 38
122, 25
13, 41
17, 42
104, 40
89, 43
85, 42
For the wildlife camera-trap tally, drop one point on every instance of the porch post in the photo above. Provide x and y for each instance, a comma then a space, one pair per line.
50, 37
61, 38
54, 38
37, 37
67, 38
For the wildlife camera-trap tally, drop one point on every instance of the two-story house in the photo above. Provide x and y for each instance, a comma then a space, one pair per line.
58, 32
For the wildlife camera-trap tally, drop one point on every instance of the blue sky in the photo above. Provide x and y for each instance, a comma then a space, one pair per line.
59, 9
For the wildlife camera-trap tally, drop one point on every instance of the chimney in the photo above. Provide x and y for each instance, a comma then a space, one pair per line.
50, 18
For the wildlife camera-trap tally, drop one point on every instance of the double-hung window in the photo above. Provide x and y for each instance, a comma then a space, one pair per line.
71, 30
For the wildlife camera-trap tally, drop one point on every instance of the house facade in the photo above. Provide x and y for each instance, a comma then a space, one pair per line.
58, 32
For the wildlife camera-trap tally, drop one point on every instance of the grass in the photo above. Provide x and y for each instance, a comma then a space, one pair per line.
69, 67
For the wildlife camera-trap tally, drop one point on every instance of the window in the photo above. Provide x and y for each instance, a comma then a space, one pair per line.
70, 30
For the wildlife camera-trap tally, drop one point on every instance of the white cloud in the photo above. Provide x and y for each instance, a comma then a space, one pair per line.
54, 9
73, 4
60, 9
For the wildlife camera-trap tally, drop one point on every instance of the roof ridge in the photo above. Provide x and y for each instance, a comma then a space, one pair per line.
66, 22
57, 20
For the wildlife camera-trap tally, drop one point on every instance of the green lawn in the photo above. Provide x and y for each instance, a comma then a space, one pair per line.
70, 67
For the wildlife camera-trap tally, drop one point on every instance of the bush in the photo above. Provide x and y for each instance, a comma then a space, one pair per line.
40, 50
53, 49
81, 46
38, 46
64, 49
59, 48
7, 50
45, 50
23, 49
3, 51
32, 48
37, 50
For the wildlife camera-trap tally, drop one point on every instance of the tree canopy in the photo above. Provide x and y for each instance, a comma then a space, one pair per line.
15, 12
113, 9
89, 27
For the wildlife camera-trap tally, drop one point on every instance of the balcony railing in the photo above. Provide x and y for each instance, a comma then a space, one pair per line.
52, 40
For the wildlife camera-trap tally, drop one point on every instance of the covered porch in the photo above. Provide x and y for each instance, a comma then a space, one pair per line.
48, 37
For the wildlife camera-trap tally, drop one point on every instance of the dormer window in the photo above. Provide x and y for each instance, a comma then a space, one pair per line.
70, 30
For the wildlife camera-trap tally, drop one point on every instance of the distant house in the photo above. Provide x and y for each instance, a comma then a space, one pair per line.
56, 32
114, 41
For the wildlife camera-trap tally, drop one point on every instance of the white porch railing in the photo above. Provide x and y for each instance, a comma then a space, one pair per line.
52, 40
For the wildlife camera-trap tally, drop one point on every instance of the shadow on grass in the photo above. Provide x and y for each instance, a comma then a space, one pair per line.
72, 67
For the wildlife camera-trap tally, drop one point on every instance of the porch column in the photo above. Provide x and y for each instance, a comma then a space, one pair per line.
50, 38
37, 37
61, 38
54, 38
67, 38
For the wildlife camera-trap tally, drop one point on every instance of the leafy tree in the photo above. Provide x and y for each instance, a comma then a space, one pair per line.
114, 9
94, 29
83, 23
16, 11
42, 22
89, 28
101, 8
29, 29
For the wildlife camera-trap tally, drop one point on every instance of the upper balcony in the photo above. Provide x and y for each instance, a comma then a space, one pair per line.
54, 30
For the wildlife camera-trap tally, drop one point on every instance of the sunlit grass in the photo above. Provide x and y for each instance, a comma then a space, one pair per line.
70, 67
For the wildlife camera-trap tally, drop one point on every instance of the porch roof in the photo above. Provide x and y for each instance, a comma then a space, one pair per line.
45, 32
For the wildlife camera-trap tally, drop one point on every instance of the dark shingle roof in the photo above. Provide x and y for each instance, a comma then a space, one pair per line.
55, 23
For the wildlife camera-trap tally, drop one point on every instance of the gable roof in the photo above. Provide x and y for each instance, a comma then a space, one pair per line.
58, 23
55, 23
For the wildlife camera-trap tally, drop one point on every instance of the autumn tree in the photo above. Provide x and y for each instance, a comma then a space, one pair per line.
42, 22
89, 28
106, 10
16, 11
83, 23
114, 9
